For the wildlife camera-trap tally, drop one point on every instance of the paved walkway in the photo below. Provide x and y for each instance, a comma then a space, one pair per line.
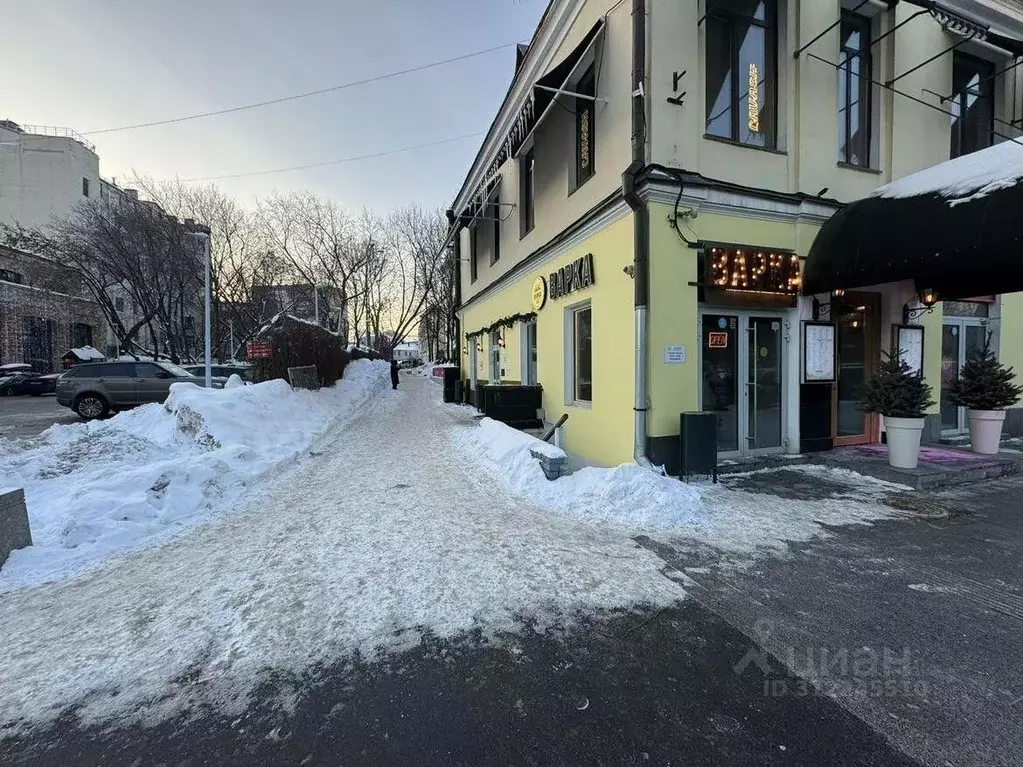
914, 625
378, 602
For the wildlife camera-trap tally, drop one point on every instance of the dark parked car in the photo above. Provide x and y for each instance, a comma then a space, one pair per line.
92, 390
18, 378
220, 371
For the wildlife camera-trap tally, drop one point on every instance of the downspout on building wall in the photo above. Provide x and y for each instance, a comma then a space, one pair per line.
641, 220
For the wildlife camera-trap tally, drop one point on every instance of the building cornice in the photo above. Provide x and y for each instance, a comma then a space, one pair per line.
547, 40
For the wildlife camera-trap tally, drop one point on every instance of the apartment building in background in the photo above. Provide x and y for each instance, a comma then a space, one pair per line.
634, 230
45, 173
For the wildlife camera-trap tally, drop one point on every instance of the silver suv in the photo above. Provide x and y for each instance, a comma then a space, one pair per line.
94, 389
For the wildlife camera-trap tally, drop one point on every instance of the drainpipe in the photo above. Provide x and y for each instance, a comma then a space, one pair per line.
454, 325
641, 231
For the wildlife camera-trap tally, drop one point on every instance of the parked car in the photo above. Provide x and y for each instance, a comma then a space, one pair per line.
40, 385
221, 371
18, 378
94, 389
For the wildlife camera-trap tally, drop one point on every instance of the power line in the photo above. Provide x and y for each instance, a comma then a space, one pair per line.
343, 160
307, 94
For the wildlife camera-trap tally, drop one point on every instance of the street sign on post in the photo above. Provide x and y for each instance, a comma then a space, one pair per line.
258, 349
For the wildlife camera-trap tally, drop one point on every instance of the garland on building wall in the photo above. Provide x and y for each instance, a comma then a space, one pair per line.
504, 322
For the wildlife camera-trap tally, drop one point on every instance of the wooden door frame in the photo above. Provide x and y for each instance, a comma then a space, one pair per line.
872, 421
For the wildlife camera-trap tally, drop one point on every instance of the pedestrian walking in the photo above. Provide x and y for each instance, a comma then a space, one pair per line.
394, 374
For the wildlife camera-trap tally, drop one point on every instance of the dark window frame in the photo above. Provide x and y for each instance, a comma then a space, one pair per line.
722, 13
527, 193
585, 120
7, 275
986, 70
85, 187
864, 91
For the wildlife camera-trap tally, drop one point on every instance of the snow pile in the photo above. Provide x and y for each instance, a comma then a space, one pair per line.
640, 501
965, 178
99, 488
627, 496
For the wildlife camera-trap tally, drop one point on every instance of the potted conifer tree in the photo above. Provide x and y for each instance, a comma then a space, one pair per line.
987, 388
902, 397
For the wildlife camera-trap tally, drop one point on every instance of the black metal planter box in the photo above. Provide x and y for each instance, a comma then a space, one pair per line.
513, 405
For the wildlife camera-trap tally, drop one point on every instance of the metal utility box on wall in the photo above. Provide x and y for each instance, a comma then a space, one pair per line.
699, 444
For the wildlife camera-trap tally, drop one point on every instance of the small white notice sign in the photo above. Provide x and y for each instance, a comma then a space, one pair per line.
911, 347
674, 355
818, 352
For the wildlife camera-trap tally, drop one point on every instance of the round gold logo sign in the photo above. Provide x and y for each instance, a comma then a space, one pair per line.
539, 293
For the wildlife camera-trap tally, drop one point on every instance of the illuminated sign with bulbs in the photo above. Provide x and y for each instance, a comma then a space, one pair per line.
753, 270
754, 98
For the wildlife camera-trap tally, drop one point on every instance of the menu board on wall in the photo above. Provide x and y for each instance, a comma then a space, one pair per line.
909, 340
819, 352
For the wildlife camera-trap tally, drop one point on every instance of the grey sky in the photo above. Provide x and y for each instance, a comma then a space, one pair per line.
107, 63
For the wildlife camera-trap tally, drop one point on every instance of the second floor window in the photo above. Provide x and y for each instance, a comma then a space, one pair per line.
972, 104
473, 251
85, 187
495, 253
527, 167
854, 91
741, 71
584, 120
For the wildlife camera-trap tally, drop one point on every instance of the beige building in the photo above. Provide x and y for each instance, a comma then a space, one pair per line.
633, 231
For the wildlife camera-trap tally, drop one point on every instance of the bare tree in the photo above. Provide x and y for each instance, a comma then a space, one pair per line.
322, 243
415, 264
241, 261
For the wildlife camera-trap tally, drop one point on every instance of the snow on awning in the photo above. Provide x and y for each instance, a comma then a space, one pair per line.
955, 228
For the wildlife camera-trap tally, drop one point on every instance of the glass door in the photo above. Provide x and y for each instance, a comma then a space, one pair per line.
960, 340
856, 316
720, 373
743, 377
764, 377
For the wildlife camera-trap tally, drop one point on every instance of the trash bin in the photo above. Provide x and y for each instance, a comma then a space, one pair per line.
699, 444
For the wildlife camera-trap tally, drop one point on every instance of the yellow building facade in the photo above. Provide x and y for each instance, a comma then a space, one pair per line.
684, 222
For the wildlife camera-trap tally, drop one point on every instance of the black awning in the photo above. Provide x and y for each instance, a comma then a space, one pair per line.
540, 99
962, 242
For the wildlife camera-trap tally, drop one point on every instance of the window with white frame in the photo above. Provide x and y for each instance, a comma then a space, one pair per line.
581, 353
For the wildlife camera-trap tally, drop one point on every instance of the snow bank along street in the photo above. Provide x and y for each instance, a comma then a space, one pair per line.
635, 500
378, 535
98, 488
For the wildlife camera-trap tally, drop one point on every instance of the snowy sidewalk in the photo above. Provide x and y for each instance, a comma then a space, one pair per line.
379, 535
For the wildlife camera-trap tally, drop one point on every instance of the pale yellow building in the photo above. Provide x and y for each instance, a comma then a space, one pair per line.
632, 230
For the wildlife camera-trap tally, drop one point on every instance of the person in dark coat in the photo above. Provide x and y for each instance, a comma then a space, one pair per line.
394, 374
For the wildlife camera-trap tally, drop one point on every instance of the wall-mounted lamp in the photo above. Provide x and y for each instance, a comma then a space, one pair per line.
927, 297
819, 308
465, 350
479, 346
500, 341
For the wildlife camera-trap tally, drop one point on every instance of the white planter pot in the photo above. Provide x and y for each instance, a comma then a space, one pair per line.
903, 441
986, 430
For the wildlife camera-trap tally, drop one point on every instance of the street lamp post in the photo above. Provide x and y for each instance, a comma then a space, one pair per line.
203, 233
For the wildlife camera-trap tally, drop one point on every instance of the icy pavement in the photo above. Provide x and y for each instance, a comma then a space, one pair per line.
379, 534
97, 489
